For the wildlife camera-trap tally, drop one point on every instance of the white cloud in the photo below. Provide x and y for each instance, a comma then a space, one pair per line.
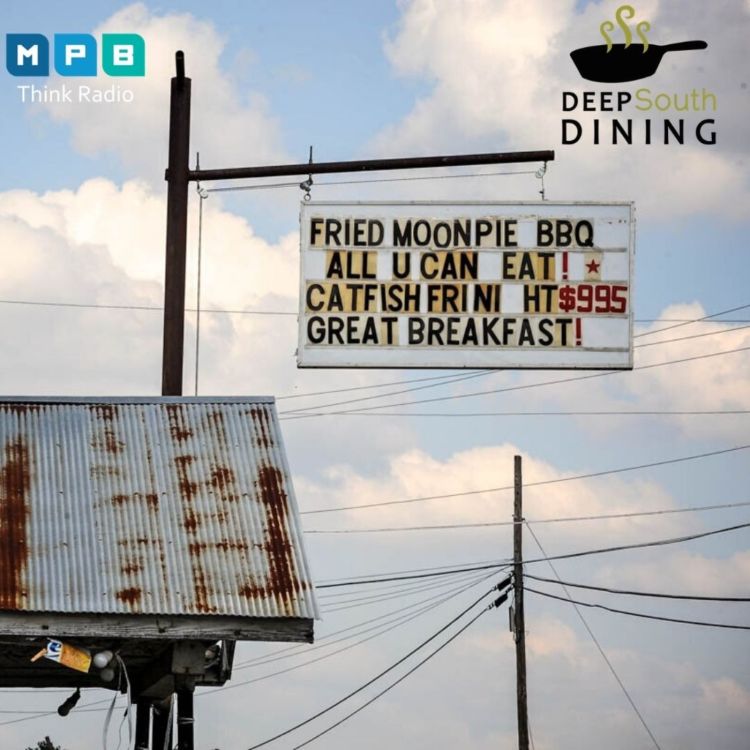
713, 383
727, 696
416, 474
224, 119
684, 572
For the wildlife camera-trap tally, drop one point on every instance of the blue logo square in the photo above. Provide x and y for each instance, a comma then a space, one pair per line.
75, 54
27, 54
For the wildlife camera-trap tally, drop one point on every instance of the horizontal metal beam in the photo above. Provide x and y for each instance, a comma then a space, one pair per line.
371, 165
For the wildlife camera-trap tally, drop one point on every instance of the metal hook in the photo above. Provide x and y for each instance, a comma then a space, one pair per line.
539, 174
307, 184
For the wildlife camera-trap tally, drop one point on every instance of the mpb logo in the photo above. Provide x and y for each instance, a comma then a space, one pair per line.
75, 55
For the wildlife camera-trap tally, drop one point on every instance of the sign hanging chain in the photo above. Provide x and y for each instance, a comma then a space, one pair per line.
202, 195
540, 175
307, 184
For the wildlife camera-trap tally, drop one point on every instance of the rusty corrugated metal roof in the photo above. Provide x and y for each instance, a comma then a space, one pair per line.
149, 506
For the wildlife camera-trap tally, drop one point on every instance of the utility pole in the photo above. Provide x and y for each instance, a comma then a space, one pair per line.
519, 623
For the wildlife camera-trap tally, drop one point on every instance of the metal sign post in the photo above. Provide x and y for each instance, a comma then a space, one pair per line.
179, 175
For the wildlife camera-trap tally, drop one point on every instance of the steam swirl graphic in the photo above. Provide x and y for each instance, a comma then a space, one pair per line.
621, 14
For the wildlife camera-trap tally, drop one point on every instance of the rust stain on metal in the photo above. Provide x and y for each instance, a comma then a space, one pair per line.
222, 480
107, 441
201, 593
260, 419
252, 591
221, 477
15, 483
282, 579
225, 545
216, 419
130, 595
191, 522
177, 427
197, 548
111, 443
150, 498
106, 412
20, 408
188, 488
200, 585
131, 568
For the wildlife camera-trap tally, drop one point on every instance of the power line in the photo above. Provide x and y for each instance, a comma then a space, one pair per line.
381, 630
360, 582
641, 545
446, 381
404, 572
42, 714
230, 311
598, 645
151, 308
692, 336
701, 623
400, 679
369, 387
697, 320
565, 556
690, 320
651, 594
442, 596
591, 475
404, 587
380, 597
378, 676
563, 519
630, 413
293, 414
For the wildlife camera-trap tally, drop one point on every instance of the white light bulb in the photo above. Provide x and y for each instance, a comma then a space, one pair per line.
107, 675
102, 659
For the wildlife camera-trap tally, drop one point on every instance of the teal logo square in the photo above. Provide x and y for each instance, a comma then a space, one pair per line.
123, 55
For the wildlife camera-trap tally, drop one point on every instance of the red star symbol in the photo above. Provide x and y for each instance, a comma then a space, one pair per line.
593, 267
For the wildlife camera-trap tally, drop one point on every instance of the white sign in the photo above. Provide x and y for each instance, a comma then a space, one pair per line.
481, 285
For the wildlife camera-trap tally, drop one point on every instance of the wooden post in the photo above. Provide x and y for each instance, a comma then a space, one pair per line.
177, 211
185, 719
161, 732
519, 623
142, 723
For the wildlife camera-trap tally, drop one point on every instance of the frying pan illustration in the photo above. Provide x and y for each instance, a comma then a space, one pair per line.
623, 63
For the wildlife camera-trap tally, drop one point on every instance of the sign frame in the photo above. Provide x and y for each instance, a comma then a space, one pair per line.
450, 357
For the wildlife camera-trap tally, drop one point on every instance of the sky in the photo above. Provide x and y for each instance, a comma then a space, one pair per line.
82, 221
